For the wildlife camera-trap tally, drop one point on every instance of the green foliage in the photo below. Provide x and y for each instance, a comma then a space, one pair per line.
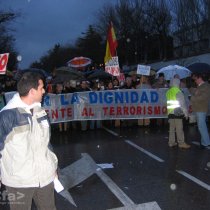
90, 45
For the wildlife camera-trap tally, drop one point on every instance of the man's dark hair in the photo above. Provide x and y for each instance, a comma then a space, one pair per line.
201, 75
28, 81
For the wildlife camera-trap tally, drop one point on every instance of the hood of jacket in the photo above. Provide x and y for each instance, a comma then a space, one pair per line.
16, 102
175, 82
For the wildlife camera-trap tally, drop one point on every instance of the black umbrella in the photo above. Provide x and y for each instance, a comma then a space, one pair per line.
19, 73
199, 68
99, 74
61, 78
66, 73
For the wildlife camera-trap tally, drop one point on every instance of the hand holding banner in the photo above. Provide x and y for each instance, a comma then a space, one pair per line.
3, 62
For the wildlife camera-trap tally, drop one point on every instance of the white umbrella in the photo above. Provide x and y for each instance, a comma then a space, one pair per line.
171, 70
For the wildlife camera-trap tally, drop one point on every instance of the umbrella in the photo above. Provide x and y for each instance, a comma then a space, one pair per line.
66, 70
79, 62
63, 78
66, 73
19, 73
171, 70
199, 68
89, 72
99, 74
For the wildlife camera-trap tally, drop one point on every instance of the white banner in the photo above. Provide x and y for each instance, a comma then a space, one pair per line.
104, 105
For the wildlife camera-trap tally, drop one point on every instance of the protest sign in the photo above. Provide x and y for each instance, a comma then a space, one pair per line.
3, 62
112, 66
121, 77
143, 70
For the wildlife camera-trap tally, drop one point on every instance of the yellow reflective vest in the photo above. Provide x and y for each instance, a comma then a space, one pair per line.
172, 102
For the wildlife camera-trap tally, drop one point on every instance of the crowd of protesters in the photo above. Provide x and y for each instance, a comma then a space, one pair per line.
132, 81
7, 84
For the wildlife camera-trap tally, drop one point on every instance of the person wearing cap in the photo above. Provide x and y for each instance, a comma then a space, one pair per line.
177, 110
200, 98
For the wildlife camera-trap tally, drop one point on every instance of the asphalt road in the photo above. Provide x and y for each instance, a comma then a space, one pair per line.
144, 169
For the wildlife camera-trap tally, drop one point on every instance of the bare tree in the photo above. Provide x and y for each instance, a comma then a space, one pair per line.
106, 14
124, 11
159, 21
191, 21
139, 30
7, 40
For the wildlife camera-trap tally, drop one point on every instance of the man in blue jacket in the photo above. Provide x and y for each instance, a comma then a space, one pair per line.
28, 167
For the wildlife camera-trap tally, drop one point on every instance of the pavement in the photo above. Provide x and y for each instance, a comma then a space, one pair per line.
132, 167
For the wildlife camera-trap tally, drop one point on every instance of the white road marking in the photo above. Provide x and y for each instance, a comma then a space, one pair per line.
110, 131
124, 199
144, 151
105, 165
144, 206
198, 144
194, 179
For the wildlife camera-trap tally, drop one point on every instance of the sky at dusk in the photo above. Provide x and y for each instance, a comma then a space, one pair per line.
44, 23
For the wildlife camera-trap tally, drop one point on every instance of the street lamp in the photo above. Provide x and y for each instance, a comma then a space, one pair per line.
19, 58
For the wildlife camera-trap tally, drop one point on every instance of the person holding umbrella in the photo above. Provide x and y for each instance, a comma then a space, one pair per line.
200, 98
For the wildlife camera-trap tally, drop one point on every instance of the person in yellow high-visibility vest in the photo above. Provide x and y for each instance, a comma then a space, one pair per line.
177, 110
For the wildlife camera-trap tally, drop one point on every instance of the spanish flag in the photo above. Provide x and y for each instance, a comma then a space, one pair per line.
111, 44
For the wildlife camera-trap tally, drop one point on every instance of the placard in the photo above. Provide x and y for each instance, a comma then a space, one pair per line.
143, 70
3, 62
112, 66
